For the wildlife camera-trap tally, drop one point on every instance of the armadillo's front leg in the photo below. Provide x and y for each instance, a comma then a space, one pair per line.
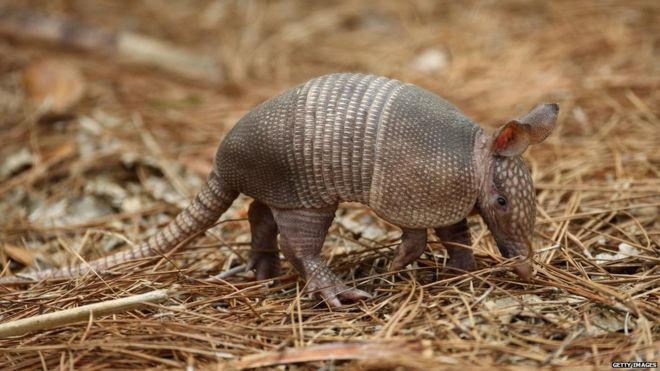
264, 255
302, 233
455, 238
413, 243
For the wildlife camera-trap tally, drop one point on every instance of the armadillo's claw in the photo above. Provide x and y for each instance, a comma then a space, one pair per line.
265, 264
402, 260
461, 264
413, 243
397, 265
336, 294
524, 271
345, 294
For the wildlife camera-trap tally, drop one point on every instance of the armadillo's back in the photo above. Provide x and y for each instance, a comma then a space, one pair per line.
313, 145
351, 137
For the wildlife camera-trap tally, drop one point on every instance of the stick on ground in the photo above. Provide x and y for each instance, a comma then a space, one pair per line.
69, 316
130, 47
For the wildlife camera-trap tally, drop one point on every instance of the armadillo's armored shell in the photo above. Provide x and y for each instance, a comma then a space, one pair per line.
424, 174
351, 137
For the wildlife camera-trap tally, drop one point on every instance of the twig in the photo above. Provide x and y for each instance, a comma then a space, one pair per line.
69, 316
131, 47
228, 273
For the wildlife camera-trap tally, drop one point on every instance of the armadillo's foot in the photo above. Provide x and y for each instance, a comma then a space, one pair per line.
320, 279
413, 243
335, 294
461, 260
264, 256
456, 239
302, 232
266, 265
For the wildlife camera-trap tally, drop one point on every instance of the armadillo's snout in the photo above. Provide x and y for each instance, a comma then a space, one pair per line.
522, 251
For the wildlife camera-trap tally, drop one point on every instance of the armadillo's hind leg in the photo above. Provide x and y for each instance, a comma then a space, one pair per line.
302, 233
413, 243
457, 242
264, 255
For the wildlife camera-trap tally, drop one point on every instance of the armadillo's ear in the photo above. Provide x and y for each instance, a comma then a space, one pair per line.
513, 138
540, 121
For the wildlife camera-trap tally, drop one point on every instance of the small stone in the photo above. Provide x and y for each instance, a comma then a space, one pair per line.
430, 60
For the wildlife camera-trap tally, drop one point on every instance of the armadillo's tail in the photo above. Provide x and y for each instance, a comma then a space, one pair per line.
209, 204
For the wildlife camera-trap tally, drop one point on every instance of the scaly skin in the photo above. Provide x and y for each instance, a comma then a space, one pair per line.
400, 149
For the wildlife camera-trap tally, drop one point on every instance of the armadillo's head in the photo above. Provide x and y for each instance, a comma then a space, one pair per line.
507, 198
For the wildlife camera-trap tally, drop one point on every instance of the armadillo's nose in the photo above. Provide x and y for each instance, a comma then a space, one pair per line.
522, 251
524, 270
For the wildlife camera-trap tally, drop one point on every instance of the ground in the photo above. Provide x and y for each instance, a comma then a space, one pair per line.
106, 160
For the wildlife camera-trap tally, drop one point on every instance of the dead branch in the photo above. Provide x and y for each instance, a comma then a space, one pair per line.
129, 47
73, 315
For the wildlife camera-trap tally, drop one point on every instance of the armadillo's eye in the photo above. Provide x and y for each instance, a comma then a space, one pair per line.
501, 200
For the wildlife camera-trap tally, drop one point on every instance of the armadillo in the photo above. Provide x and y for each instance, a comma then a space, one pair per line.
414, 158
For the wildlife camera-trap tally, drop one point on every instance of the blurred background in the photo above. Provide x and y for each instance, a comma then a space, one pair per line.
159, 82
494, 59
111, 111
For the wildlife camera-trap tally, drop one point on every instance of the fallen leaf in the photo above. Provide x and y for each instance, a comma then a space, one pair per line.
54, 85
22, 158
625, 251
605, 322
19, 254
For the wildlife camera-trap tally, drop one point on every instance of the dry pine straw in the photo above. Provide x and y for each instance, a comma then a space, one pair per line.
595, 296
